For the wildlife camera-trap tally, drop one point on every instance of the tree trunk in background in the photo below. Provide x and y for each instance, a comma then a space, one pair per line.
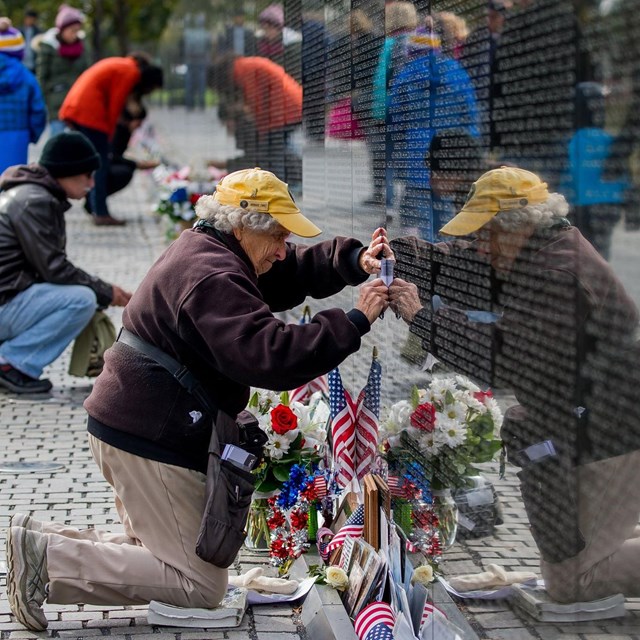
96, 35
122, 30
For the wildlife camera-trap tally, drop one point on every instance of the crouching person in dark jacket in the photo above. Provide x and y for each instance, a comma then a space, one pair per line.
45, 300
208, 303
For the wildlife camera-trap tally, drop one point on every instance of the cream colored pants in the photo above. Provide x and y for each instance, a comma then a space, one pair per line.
609, 494
160, 506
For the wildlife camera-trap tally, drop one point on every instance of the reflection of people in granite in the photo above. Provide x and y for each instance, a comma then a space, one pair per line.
596, 203
400, 19
430, 93
196, 47
530, 304
262, 106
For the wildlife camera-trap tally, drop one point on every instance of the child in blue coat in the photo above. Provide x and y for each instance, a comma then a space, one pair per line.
23, 114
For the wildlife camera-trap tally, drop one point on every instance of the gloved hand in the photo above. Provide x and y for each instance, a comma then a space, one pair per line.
256, 581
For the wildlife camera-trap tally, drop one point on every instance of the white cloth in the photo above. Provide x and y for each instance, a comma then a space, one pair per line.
494, 576
255, 580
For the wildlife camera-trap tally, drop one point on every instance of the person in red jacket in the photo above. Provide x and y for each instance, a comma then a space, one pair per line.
93, 106
262, 105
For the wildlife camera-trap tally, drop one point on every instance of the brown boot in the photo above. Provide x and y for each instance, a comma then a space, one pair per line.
108, 221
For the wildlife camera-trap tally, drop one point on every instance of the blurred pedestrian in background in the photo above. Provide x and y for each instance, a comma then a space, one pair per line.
237, 38
62, 57
121, 168
94, 104
196, 51
23, 114
30, 30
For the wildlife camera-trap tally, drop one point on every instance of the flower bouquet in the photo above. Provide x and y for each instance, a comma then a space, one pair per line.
179, 192
431, 444
296, 435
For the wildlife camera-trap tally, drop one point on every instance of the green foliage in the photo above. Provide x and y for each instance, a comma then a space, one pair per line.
319, 572
113, 27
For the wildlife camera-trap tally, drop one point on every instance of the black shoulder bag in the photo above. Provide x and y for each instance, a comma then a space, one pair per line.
228, 489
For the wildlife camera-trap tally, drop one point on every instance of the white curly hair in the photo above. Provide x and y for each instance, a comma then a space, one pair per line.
540, 216
226, 217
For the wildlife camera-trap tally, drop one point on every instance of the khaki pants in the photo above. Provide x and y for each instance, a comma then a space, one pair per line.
609, 495
160, 506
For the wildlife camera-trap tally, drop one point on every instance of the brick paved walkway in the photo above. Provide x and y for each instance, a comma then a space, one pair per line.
53, 430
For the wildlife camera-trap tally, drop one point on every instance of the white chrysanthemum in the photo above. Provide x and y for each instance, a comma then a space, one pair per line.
456, 411
264, 422
277, 446
474, 404
438, 389
451, 433
266, 400
464, 383
495, 411
429, 444
396, 418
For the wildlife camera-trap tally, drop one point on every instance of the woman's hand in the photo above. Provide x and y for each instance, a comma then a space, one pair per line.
404, 300
373, 300
369, 259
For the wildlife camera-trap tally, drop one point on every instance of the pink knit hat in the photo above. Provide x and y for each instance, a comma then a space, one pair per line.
67, 16
273, 14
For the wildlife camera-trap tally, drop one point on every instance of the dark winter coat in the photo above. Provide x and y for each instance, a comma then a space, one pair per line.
33, 235
203, 304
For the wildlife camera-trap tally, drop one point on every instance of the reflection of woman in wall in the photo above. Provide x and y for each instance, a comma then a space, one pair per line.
453, 31
349, 94
62, 57
277, 42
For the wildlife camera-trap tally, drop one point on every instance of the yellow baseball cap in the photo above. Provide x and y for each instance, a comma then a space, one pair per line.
497, 190
263, 192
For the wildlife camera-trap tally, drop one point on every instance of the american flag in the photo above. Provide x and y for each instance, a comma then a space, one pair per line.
367, 415
303, 393
342, 430
320, 487
353, 526
323, 545
375, 622
429, 612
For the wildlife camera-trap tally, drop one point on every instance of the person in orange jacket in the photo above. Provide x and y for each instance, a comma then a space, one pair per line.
262, 105
94, 104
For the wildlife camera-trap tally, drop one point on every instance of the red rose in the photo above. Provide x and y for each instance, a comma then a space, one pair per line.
424, 417
283, 419
481, 396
